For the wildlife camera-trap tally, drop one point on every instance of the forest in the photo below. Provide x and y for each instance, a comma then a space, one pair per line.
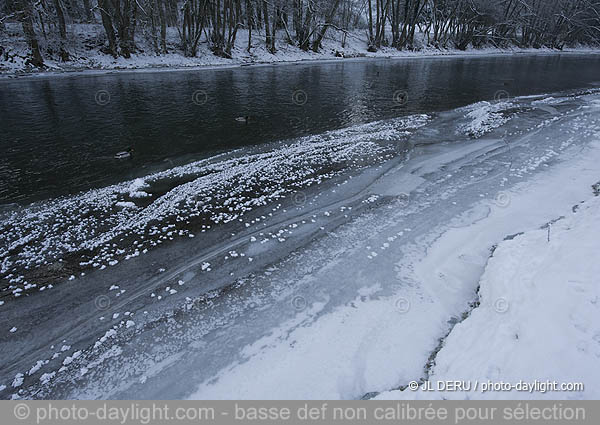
442, 24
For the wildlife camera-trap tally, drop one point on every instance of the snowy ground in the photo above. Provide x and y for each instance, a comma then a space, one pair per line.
538, 317
341, 286
85, 41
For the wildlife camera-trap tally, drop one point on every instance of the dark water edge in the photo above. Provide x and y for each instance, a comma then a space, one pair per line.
60, 134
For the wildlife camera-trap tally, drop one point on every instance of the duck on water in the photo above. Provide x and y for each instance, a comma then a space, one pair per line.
124, 154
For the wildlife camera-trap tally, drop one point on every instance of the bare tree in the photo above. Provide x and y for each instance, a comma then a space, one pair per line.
26, 17
108, 26
307, 24
328, 22
62, 27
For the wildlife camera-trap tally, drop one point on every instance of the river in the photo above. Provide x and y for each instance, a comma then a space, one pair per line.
59, 134
311, 252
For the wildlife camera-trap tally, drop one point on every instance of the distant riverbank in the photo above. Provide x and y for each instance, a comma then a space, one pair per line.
92, 61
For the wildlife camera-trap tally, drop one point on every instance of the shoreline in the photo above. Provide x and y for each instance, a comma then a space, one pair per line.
332, 294
402, 55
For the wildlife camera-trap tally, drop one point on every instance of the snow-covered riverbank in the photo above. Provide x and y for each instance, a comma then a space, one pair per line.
538, 319
88, 59
340, 289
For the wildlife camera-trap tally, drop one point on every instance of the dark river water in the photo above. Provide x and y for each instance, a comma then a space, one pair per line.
59, 134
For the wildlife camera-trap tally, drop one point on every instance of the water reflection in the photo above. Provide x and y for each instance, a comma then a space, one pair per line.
57, 138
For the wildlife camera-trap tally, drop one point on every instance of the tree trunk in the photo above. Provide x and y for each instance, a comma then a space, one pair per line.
372, 47
62, 27
27, 22
123, 27
304, 37
269, 38
250, 22
328, 22
108, 27
163, 26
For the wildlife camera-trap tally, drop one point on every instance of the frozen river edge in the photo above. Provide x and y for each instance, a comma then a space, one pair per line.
533, 332
358, 311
